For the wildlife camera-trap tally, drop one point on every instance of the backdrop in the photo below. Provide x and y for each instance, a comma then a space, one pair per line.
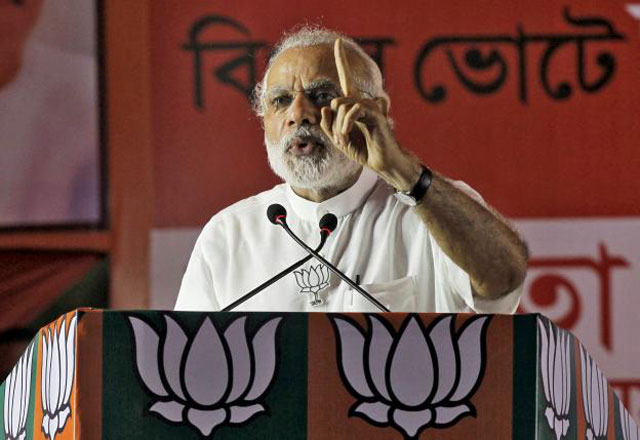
49, 149
534, 104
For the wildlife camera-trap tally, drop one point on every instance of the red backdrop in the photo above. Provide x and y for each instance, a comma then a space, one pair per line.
540, 158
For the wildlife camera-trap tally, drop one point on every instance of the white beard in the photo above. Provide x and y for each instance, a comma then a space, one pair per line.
324, 167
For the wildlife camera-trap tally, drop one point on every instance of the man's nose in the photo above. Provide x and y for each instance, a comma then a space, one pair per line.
302, 111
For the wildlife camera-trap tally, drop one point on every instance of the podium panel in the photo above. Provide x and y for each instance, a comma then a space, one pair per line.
95, 374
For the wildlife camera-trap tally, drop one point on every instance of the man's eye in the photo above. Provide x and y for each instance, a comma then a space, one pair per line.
323, 97
280, 101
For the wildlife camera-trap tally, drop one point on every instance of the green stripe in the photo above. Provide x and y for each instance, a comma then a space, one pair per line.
32, 396
525, 372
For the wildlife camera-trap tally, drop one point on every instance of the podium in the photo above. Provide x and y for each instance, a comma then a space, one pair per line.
98, 374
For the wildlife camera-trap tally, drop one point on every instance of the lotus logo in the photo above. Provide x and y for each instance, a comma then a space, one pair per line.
413, 379
630, 430
208, 380
313, 281
595, 399
58, 372
555, 368
17, 393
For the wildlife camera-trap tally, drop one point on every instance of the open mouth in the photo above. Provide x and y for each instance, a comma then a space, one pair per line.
304, 146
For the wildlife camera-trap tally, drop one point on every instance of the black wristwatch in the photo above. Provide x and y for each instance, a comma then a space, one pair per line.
417, 193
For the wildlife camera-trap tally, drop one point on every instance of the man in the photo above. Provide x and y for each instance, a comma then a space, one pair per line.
329, 137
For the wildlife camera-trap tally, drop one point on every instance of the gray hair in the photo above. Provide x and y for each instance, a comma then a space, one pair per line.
306, 36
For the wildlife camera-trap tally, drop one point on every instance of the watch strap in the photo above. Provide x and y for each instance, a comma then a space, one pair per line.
419, 190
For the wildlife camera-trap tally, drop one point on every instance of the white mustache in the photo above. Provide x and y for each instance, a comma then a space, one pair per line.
305, 134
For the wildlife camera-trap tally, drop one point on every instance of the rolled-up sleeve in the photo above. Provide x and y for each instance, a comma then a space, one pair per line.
454, 280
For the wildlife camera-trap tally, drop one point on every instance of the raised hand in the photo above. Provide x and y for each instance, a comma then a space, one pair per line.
373, 143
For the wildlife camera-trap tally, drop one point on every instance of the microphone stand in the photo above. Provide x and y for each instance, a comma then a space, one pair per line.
294, 266
282, 222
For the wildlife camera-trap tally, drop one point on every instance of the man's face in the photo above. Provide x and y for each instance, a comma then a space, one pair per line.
300, 82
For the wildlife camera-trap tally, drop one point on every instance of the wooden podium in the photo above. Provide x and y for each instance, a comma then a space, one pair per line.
95, 374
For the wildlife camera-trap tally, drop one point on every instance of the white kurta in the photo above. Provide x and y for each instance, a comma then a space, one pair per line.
378, 239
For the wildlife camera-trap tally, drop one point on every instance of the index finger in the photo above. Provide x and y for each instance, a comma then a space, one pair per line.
344, 70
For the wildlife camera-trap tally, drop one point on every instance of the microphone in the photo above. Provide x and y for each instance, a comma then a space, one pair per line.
328, 223
278, 216
275, 212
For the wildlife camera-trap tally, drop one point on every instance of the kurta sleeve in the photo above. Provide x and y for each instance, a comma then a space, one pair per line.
456, 281
196, 290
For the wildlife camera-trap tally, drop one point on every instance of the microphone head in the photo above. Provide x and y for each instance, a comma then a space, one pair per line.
328, 223
276, 213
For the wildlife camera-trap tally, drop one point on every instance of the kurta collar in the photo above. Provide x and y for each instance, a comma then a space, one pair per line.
339, 205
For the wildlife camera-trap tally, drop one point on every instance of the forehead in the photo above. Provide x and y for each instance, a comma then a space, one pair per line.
297, 67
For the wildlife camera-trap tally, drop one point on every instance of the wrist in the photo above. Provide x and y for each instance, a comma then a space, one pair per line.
419, 190
404, 173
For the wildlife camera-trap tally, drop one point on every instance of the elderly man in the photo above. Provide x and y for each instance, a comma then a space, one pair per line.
412, 238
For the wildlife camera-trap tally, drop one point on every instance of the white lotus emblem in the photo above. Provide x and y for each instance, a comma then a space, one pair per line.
630, 430
555, 368
210, 379
17, 393
416, 378
58, 372
313, 281
595, 399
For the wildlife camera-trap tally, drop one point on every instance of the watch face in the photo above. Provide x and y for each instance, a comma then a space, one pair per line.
406, 199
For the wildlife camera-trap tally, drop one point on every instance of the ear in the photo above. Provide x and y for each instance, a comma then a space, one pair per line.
383, 104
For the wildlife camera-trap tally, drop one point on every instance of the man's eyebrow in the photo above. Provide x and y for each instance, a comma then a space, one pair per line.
319, 84
323, 84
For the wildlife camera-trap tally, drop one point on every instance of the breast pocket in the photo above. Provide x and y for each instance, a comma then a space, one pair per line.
397, 295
